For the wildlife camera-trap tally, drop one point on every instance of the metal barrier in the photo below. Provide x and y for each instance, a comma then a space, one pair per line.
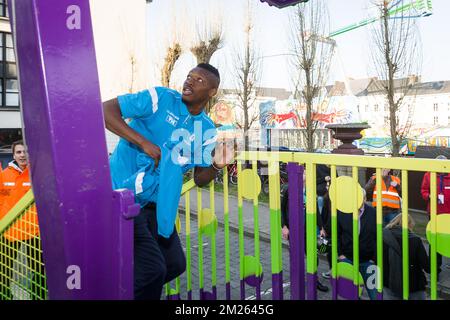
22, 269
346, 279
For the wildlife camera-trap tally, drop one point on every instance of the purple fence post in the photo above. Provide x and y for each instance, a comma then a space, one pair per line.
86, 228
297, 231
334, 288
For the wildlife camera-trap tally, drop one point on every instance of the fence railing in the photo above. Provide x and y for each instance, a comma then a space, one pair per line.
210, 263
346, 196
22, 269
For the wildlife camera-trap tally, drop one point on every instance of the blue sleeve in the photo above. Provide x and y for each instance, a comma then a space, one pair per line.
138, 105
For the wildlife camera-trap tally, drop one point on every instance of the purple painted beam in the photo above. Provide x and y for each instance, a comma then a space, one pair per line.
283, 3
297, 233
86, 229
277, 286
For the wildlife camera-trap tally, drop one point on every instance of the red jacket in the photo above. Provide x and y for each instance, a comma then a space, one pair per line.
442, 187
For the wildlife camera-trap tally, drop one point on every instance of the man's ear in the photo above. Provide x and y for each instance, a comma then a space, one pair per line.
212, 92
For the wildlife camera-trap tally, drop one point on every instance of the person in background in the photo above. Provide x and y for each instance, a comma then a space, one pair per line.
24, 231
390, 194
443, 197
15, 178
393, 263
367, 241
323, 178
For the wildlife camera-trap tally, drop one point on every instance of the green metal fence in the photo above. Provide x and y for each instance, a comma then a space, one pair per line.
23, 274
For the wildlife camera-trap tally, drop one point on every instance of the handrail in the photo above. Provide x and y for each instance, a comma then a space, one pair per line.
410, 164
17, 210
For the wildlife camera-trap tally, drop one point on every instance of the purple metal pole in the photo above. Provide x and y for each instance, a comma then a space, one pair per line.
296, 232
86, 228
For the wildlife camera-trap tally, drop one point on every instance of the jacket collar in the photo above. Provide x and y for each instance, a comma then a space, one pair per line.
14, 165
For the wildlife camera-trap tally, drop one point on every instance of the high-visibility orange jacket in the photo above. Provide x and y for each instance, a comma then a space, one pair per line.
2, 191
16, 183
389, 196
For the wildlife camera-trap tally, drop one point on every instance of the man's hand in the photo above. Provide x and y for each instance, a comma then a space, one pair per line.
285, 232
225, 152
152, 150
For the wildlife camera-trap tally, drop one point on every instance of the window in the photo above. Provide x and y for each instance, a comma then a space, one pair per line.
367, 108
4, 9
386, 107
448, 120
375, 107
386, 120
435, 120
9, 88
435, 107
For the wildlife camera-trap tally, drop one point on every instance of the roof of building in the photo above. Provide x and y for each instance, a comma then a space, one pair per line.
277, 93
355, 86
374, 86
360, 88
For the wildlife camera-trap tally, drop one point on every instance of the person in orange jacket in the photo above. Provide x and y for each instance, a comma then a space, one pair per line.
16, 183
391, 192
16, 179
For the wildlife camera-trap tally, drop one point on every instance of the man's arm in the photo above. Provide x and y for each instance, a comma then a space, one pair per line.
370, 187
202, 176
115, 123
224, 153
425, 188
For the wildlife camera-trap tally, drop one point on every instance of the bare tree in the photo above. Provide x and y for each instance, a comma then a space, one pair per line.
208, 40
247, 73
209, 36
203, 49
132, 53
312, 53
175, 39
172, 55
397, 58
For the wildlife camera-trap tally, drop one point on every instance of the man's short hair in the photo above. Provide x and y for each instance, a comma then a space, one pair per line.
15, 144
210, 68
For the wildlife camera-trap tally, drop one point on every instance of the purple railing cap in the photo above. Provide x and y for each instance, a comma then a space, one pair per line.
283, 3
128, 207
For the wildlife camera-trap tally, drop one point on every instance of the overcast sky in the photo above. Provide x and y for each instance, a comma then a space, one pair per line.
352, 57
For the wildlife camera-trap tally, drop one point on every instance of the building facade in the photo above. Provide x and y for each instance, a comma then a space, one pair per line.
120, 43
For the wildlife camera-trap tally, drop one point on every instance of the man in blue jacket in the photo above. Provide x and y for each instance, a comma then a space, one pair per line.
172, 128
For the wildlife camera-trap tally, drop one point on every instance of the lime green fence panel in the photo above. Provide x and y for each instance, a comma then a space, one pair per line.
22, 268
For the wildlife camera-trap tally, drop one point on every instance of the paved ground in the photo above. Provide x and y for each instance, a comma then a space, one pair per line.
264, 227
266, 291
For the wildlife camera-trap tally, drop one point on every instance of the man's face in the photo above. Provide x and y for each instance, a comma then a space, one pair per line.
20, 156
199, 86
